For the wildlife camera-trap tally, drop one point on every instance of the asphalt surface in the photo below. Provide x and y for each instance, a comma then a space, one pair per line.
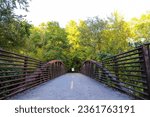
71, 86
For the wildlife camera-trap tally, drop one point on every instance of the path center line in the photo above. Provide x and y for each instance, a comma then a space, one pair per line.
71, 86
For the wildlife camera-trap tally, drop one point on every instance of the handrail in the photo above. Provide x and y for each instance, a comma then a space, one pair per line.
18, 72
128, 72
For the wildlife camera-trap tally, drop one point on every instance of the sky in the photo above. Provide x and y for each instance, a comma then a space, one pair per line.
63, 11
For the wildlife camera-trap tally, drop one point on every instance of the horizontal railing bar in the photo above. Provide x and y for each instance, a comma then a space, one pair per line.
127, 66
118, 57
131, 94
11, 60
14, 84
14, 80
1, 77
136, 49
9, 56
18, 59
21, 61
129, 55
131, 89
135, 80
129, 75
140, 81
17, 70
11, 53
21, 71
119, 70
15, 88
16, 67
7, 64
126, 63
129, 84
132, 58
11, 94
2, 64
121, 60
17, 54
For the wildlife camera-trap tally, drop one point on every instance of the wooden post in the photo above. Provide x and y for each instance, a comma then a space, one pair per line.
147, 65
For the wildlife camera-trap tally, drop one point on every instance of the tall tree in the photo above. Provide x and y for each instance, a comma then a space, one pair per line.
91, 36
48, 41
117, 34
141, 28
13, 28
73, 39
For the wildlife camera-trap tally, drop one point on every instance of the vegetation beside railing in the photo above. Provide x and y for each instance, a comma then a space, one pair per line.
128, 72
18, 73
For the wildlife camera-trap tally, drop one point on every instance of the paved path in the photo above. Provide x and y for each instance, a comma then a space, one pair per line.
71, 86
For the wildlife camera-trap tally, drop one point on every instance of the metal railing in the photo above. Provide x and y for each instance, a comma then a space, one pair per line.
18, 72
128, 72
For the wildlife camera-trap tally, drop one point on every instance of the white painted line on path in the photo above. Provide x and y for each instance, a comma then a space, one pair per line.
71, 86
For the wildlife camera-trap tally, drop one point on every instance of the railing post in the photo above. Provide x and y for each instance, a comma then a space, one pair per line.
103, 76
91, 69
25, 72
25, 66
97, 73
87, 67
50, 71
40, 69
116, 70
55, 66
146, 56
61, 68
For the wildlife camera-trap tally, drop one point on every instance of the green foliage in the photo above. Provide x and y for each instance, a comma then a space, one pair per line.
104, 37
14, 30
141, 28
94, 38
47, 42
116, 35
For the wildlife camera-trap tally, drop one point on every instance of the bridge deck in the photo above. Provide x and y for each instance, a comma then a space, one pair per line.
71, 86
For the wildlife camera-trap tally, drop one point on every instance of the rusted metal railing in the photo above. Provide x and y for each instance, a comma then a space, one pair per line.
18, 72
128, 72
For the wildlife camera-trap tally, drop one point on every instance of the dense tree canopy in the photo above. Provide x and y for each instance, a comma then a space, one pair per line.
48, 41
93, 38
14, 29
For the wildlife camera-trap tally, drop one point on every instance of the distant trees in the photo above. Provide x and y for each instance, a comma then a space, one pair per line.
94, 38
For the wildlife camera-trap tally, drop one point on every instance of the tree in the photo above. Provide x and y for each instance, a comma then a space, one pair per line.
73, 39
48, 41
14, 29
117, 34
141, 28
91, 37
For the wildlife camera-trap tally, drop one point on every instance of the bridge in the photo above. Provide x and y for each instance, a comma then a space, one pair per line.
123, 76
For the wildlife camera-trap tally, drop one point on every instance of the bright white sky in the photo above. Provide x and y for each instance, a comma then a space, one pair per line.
65, 10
